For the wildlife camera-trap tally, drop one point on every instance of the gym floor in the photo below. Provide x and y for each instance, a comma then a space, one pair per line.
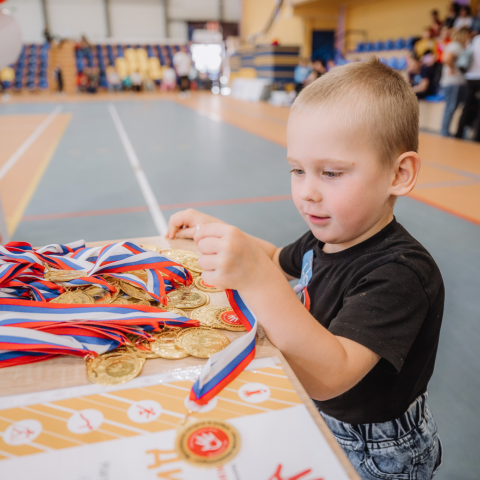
98, 167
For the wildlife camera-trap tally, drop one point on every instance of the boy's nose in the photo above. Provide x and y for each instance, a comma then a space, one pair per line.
310, 192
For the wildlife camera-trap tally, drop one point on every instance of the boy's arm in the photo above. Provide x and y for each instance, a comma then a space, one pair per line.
184, 225
326, 365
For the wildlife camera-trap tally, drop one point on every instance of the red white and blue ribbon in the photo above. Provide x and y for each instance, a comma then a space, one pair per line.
223, 367
37, 330
307, 272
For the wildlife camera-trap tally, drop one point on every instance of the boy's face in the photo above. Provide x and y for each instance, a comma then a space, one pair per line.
338, 183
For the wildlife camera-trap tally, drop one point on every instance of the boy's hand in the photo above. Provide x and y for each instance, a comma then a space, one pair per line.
231, 258
184, 224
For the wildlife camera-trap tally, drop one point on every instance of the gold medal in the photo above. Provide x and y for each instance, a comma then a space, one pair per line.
207, 443
201, 342
188, 259
73, 297
107, 298
206, 316
134, 292
114, 368
141, 274
177, 311
64, 275
164, 346
183, 298
121, 301
228, 320
147, 353
201, 285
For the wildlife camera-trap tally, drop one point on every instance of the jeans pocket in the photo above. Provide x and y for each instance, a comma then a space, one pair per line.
385, 468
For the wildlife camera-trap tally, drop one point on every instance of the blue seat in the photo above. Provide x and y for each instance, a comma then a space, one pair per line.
409, 43
369, 47
401, 63
384, 61
399, 44
378, 46
392, 63
360, 47
150, 51
389, 45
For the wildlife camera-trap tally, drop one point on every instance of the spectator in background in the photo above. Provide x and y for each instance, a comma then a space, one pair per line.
476, 21
471, 110
183, 64
436, 23
137, 81
421, 74
58, 76
453, 80
452, 14
169, 79
442, 41
318, 69
464, 18
114, 81
425, 43
93, 76
300, 74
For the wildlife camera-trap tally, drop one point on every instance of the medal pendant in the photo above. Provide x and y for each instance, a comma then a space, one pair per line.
207, 443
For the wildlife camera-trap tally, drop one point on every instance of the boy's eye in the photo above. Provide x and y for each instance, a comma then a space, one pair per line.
331, 174
296, 171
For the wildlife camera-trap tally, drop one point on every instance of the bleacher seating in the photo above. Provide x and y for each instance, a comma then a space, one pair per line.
391, 52
31, 67
126, 58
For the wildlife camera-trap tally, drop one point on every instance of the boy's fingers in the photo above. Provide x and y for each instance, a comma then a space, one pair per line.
211, 230
209, 245
185, 232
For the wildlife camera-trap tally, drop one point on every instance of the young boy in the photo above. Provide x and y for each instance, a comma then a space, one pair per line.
365, 349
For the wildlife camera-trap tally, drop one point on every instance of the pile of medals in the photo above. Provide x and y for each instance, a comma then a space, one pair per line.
126, 362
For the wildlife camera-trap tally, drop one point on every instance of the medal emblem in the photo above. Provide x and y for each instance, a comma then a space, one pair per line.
208, 443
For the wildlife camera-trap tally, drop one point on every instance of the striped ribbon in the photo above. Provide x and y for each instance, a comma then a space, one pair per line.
223, 367
32, 331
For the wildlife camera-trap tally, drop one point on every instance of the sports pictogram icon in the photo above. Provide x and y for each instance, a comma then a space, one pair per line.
144, 411
22, 432
85, 421
254, 392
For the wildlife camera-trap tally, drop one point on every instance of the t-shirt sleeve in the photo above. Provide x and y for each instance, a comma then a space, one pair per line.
291, 256
384, 312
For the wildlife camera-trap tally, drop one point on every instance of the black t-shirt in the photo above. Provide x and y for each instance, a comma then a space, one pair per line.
387, 294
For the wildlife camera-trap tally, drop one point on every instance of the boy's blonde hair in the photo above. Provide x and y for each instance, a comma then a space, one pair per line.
369, 96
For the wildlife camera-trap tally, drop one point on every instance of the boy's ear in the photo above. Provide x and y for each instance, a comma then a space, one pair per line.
407, 167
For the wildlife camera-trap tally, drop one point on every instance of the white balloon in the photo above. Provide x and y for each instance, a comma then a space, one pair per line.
10, 39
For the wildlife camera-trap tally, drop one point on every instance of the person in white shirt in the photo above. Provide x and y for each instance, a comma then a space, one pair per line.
471, 110
453, 80
464, 18
183, 64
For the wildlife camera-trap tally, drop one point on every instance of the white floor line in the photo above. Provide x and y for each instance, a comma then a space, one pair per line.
155, 212
28, 142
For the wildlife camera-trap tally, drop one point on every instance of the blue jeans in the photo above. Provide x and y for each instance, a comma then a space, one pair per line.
407, 448
454, 95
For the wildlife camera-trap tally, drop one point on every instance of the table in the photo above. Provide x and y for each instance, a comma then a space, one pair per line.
70, 371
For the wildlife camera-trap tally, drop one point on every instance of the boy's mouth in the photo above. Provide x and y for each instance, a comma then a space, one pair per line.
318, 220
